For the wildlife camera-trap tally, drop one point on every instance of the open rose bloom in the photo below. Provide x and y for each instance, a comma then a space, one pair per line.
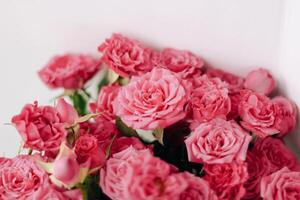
163, 126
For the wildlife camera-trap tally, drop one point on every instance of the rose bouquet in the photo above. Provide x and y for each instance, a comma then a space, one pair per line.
162, 125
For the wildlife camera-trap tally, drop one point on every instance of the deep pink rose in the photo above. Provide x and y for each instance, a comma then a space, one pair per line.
235, 83
217, 141
276, 152
227, 179
209, 99
113, 175
43, 127
122, 143
281, 185
50, 192
235, 99
20, 178
104, 105
286, 115
125, 56
88, 148
260, 81
184, 63
102, 129
154, 100
258, 114
146, 176
185, 186
69, 71
258, 166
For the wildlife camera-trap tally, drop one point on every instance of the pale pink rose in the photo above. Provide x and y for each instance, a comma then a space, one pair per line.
69, 71
276, 152
185, 186
154, 100
102, 129
218, 141
88, 148
184, 63
104, 105
258, 114
113, 175
125, 56
281, 185
43, 127
235, 83
146, 176
20, 178
209, 99
286, 115
50, 192
227, 179
66, 169
258, 166
122, 143
260, 81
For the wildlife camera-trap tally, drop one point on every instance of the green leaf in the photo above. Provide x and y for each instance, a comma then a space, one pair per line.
159, 135
124, 129
79, 103
103, 83
112, 76
108, 149
146, 135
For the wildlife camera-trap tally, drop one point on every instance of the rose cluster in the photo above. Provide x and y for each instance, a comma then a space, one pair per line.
162, 125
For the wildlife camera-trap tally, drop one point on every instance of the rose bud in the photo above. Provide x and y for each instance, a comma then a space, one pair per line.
261, 81
65, 170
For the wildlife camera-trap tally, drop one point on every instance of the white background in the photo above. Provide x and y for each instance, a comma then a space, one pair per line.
232, 34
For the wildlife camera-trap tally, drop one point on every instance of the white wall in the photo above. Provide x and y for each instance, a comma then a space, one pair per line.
289, 69
232, 34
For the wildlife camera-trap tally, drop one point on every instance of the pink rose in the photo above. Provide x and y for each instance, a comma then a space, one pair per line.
258, 166
260, 81
113, 175
217, 141
69, 71
88, 148
283, 184
258, 114
286, 115
209, 99
146, 177
185, 186
50, 192
154, 100
20, 178
235, 83
104, 105
43, 127
4, 161
184, 63
125, 56
227, 179
276, 152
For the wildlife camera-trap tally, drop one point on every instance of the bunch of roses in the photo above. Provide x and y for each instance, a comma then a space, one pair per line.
164, 126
